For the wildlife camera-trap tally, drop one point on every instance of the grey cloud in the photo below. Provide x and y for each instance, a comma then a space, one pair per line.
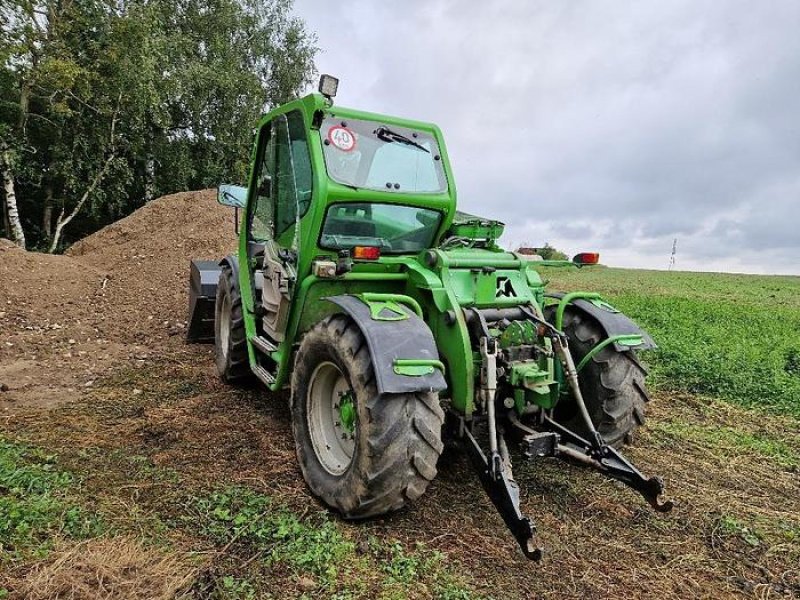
616, 125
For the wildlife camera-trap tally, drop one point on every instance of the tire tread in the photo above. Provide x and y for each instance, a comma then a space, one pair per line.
612, 383
403, 431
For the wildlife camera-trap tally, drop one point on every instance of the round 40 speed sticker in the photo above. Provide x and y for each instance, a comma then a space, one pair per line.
342, 138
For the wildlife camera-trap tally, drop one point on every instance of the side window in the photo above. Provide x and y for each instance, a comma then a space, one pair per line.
262, 215
294, 171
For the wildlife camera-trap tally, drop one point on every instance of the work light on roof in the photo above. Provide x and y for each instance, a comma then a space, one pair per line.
328, 84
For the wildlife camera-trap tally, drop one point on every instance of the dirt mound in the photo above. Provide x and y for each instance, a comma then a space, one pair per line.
118, 295
54, 288
147, 255
46, 311
170, 229
42, 280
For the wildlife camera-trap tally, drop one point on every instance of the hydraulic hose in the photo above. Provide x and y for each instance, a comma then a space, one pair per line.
571, 374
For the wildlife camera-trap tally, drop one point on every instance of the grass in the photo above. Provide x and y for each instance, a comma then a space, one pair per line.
314, 551
260, 546
732, 442
37, 503
206, 476
314, 546
736, 337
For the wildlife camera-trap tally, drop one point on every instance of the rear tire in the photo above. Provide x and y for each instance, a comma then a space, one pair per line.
612, 384
230, 340
396, 438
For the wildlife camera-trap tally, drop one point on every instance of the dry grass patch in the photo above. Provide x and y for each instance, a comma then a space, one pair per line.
120, 568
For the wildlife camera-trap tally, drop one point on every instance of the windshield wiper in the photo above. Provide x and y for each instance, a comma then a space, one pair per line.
387, 135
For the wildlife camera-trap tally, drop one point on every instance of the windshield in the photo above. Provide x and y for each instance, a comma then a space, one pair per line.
395, 229
368, 154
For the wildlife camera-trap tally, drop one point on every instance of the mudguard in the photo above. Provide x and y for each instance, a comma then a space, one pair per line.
403, 338
612, 321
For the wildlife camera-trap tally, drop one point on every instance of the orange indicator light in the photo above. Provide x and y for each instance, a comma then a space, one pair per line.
366, 253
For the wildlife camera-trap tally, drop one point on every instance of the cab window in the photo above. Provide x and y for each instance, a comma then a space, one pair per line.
261, 218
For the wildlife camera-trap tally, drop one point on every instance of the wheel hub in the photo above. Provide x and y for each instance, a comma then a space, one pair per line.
347, 412
331, 418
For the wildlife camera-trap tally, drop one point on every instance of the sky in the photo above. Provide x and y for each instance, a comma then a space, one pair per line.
615, 126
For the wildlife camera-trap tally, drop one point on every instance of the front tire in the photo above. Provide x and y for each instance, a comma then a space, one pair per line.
374, 458
230, 340
612, 384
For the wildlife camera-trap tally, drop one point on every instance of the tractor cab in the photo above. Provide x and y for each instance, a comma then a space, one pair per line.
332, 186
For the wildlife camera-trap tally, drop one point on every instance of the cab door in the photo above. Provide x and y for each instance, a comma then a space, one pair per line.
283, 195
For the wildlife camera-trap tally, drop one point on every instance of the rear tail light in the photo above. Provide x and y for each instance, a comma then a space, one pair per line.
366, 253
586, 258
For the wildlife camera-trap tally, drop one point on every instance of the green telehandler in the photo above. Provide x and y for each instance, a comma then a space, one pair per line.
397, 321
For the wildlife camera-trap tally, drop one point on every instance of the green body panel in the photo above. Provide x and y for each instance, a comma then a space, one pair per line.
416, 367
388, 307
476, 228
436, 283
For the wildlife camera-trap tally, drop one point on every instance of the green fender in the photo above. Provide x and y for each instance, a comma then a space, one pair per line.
614, 323
401, 345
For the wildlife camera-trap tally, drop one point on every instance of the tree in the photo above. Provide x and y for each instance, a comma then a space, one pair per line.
11, 220
547, 252
107, 104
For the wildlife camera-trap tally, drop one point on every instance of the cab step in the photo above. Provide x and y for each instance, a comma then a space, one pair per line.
264, 375
263, 344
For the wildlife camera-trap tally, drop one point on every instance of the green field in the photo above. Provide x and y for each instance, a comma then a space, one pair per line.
736, 337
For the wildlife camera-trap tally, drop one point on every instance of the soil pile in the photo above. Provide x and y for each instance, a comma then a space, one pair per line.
118, 295
147, 257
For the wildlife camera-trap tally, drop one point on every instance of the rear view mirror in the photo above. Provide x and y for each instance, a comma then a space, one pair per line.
232, 195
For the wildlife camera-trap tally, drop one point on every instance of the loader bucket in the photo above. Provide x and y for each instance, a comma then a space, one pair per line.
203, 278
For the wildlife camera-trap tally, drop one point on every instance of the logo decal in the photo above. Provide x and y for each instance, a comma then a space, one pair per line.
504, 288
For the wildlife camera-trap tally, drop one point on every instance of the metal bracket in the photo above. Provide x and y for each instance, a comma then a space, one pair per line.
534, 444
504, 494
417, 367
610, 462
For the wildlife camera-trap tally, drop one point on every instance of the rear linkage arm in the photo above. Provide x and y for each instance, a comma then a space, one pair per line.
494, 470
503, 492
609, 461
596, 453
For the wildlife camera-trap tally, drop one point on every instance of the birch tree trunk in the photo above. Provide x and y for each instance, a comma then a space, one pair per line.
11, 201
47, 213
6, 223
63, 220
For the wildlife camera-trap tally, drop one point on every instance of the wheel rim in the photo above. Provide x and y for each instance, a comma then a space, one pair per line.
331, 418
225, 324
